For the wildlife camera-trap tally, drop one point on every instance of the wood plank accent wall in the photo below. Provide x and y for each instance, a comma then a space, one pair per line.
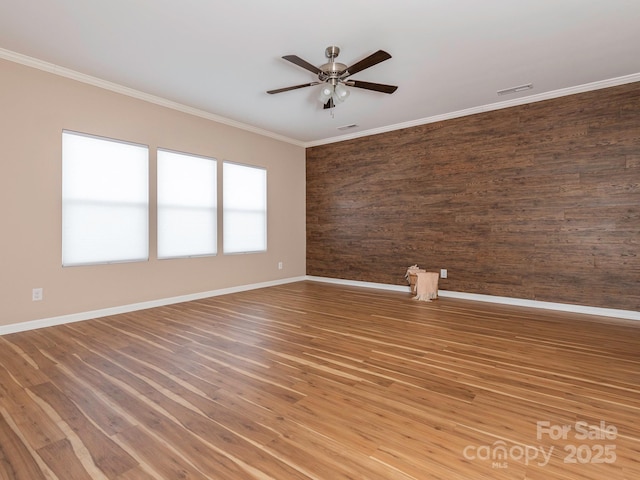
540, 201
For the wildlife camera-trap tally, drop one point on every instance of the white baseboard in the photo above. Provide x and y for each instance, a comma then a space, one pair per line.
78, 317
521, 302
357, 283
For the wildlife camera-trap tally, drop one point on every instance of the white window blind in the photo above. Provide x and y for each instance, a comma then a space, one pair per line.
244, 190
105, 200
187, 205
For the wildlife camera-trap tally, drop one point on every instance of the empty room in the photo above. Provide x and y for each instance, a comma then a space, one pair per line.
320, 241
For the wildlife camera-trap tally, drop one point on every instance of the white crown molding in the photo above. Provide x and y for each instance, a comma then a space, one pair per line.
130, 92
587, 87
105, 312
520, 302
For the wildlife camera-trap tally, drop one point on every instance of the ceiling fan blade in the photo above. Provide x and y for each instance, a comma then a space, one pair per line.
370, 61
378, 87
302, 63
294, 87
329, 104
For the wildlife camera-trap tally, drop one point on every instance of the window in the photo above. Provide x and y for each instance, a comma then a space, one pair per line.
105, 200
187, 205
244, 192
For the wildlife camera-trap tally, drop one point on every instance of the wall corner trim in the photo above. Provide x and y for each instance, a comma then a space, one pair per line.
105, 312
520, 302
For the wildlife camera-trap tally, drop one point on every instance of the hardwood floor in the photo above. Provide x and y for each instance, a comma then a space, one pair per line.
316, 381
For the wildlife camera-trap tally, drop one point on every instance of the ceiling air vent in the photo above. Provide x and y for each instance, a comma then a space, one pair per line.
519, 88
347, 127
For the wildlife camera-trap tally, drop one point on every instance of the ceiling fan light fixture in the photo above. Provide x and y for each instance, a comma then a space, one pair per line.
326, 92
341, 93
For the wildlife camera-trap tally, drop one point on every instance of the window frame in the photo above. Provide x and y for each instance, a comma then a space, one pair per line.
67, 200
216, 206
264, 212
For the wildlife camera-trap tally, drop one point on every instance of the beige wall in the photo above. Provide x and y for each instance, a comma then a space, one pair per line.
35, 107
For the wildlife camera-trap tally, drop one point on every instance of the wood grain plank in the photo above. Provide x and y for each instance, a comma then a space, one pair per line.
110, 458
63, 460
33, 423
16, 461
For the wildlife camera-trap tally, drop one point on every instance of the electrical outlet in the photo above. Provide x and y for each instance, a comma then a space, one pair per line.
36, 294
280, 266
443, 273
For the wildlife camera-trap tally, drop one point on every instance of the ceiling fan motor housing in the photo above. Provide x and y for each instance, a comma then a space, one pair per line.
333, 70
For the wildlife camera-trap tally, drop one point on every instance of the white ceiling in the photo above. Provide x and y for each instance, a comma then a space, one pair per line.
219, 57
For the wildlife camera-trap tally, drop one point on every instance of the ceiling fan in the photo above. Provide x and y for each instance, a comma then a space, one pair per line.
334, 76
